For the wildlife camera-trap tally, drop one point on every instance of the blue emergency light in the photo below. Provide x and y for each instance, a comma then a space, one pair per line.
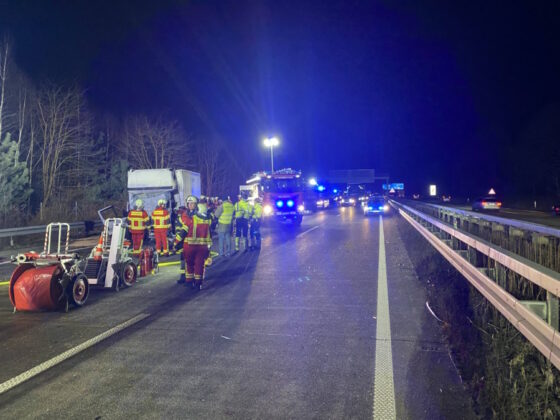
290, 203
279, 203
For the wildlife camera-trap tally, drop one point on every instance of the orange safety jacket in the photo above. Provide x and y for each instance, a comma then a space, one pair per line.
137, 220
160, 216
198, 232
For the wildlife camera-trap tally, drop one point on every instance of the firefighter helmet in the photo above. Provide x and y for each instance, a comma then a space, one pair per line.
191, 199
139, 204
161, 202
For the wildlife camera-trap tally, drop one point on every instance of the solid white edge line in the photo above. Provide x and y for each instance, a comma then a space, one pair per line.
17, 380
384, 386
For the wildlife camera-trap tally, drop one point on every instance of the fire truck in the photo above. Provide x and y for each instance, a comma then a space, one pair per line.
281, 193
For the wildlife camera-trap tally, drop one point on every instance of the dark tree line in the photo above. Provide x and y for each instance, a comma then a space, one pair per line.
60, 161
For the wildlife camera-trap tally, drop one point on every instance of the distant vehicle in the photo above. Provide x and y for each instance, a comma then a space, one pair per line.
347, 200
323, 203
556, 209
416, 196
446, 198
376, 205
486, 204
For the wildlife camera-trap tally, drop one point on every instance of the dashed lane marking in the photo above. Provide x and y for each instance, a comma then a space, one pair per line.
384, 387
17, 380
308, 230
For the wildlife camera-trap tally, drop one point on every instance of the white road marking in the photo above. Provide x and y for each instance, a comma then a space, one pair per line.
308, 230
17, 380
384, 387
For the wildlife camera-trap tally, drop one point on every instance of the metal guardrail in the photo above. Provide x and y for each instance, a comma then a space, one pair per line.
537, 321
519, 224
30, 230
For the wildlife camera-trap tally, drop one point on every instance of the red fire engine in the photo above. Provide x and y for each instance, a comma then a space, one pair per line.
281, 193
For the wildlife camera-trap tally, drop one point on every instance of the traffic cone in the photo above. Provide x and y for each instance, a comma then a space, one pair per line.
98, 253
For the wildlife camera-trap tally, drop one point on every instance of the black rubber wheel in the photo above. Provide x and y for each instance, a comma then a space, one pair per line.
128, 274
79, 290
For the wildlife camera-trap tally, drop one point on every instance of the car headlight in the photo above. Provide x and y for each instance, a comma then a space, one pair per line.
320, 202
386, 207
267, 210
300, 208
351, 201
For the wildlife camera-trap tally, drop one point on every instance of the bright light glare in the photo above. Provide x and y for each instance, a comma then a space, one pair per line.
433, 190
301, 208
352, 201
267, 209
290, 203
279, 203
312, 182
271, 142
321, 188
386, 207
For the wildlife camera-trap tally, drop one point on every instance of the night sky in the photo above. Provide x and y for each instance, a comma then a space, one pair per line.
424, 91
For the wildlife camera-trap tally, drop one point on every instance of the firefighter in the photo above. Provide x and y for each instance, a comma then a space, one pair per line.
224, 214
197, 245
161, 224
181, 230
242, 215
256, 217
137, 225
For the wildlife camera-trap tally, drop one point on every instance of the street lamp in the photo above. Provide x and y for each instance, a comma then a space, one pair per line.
271, 142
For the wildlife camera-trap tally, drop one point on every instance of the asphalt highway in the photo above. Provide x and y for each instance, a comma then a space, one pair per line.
328, 320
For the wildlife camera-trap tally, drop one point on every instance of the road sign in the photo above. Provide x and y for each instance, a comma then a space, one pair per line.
433, 190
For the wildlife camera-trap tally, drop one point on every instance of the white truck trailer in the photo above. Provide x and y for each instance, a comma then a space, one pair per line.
151, 185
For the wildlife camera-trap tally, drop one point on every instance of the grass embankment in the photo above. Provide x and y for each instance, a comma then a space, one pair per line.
507, 377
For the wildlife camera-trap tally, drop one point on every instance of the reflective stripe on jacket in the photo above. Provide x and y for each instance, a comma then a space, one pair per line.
160, 216
257, 211
242, 209
227, 213
137, 220
199, 231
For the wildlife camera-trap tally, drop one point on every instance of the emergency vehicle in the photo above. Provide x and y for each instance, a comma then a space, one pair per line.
282, 194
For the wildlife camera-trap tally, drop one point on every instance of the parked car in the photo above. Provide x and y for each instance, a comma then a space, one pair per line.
486, 204
446, 198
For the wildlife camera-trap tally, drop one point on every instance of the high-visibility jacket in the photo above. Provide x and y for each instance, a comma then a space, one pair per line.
181, 228
257, 211
198, 230
242, 210
137, 220
227, 213
160, 216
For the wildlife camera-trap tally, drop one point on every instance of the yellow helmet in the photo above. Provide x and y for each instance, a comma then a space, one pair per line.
161, 202
139, 204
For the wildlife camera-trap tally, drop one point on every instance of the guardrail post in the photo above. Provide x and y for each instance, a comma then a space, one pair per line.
12, 241
552, 310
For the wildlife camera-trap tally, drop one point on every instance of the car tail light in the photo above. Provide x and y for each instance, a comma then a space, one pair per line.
557, 209
483, 203
499, 203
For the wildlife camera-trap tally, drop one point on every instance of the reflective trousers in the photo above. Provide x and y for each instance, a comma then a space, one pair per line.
195, 255
137, 241
161, 241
